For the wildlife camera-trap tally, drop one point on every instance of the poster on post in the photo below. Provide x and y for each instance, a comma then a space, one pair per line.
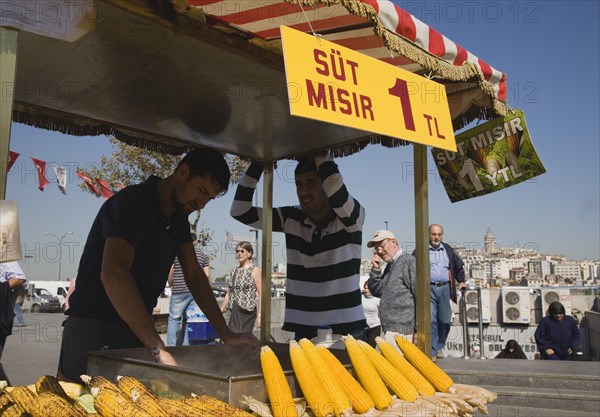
490, 157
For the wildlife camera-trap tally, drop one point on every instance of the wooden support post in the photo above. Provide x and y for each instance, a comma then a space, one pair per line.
422, 249
8, 64
267, 254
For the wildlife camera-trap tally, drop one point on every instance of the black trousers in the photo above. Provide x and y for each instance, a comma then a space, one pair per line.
372, 333
85, 335
3, 376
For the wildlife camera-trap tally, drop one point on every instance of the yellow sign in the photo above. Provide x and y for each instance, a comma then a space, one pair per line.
335, 84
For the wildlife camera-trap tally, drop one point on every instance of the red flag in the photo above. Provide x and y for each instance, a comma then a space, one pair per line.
88, 182
104, 188
41, 169
12, 157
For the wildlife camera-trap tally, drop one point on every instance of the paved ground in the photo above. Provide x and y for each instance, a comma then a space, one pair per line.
32, 351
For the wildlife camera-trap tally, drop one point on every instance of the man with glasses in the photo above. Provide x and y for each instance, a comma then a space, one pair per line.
395, 285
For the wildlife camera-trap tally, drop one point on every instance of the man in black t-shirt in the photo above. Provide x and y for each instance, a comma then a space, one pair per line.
126, 261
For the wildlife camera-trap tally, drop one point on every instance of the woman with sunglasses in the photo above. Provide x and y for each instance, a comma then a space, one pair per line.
243, 291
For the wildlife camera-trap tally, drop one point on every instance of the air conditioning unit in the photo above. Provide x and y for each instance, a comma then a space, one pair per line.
550, 295
472, 306
515, 305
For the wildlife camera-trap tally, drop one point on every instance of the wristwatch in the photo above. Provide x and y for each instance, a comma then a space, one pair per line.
155, 354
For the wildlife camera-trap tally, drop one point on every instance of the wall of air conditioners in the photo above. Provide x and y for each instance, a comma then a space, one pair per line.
524, 305
513, 313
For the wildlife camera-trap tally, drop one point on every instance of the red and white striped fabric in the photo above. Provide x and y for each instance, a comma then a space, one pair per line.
262, 18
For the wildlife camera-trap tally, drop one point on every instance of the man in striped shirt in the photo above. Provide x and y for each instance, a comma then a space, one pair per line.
181, 298
323, 246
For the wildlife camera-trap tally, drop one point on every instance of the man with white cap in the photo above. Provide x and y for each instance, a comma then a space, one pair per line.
395, 285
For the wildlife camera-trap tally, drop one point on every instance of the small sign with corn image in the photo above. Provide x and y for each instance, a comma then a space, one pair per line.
490, 157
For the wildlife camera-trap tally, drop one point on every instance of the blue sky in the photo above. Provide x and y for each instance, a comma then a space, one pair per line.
550, 51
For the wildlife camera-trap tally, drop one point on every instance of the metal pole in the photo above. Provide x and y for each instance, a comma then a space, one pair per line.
463, 315
60, 240
481, 344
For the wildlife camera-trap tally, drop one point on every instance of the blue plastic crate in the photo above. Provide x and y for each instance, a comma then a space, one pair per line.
201, 331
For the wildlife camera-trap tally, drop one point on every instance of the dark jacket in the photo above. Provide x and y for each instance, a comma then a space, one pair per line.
557, 335
456, 269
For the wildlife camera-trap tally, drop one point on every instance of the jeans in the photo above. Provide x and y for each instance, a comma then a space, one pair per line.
177, 309
19, 315
441, 316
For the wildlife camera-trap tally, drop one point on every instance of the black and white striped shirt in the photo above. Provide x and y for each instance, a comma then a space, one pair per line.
323, 263
178, 284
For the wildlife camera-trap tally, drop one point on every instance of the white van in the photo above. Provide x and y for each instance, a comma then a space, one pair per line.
56, 288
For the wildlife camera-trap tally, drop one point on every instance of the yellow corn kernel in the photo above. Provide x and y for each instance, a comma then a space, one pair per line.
311, 386
50, 404
359, 398
400, 363
179, 409
367, 375
390, 375
438, 378
112, 403
215, 407
278, 389
341, 403
127, 383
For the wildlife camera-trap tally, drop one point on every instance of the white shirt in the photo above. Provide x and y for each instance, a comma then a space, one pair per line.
11, 270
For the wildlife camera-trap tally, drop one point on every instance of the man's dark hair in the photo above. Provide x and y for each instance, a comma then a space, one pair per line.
305, 165
211, 162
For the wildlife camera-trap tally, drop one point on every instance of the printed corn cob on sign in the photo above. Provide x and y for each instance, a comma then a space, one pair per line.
490, 157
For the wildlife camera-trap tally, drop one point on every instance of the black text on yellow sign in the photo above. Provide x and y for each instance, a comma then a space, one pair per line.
335, 84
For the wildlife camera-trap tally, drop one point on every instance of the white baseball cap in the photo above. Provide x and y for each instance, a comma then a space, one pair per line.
380, 236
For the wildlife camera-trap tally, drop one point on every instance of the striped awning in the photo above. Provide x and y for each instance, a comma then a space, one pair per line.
377, 28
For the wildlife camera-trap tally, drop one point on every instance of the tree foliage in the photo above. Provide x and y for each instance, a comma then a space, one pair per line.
130, 165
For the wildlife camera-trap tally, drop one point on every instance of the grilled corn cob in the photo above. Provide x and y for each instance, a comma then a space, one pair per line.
50, 404
438, 378
312, 387
179, 409
278, 390
148, 404
359, 398
400, 363
367, 374
390, 375
127, 383
111, 403
26, 399
48, 383
213, 406
340, 401
99, 382
13, 410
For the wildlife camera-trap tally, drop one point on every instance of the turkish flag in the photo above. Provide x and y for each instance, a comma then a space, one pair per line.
41, 169
88, 182
12, 157
104, 188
